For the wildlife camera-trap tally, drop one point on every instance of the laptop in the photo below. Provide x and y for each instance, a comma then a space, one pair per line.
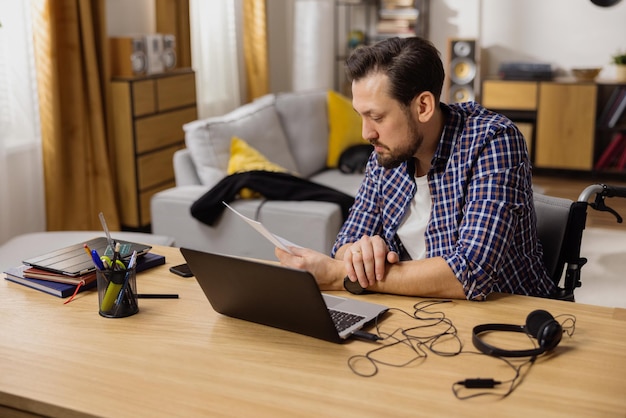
74, 261
277, 296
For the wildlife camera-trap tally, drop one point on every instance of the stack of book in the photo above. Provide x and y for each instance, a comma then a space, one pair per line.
55, 284
614, 155
62, 285
396, 18
614, 108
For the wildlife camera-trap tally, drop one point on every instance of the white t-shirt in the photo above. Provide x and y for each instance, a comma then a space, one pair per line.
413, 226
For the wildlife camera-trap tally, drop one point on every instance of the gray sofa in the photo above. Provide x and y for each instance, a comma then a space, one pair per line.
290, 129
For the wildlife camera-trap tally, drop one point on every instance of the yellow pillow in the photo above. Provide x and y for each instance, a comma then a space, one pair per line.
344, 127
244, 158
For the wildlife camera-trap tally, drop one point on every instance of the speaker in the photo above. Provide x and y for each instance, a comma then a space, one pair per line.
128, 56
154, 52
463, 74
169, 52
540, 325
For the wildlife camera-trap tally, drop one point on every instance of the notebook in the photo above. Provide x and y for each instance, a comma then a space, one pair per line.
277, 296
74, 261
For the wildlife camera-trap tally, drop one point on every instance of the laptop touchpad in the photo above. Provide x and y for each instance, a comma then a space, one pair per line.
332, 301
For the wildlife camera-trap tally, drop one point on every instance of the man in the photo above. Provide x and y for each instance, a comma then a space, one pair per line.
445, 208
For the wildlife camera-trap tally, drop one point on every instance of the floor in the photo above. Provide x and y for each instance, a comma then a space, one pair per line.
604, 243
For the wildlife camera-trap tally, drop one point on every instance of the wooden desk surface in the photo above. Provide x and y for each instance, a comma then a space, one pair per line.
179, 358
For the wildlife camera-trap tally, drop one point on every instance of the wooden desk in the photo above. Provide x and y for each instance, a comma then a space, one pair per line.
179, 358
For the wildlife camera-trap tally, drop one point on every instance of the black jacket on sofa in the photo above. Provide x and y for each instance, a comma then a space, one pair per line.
272, 186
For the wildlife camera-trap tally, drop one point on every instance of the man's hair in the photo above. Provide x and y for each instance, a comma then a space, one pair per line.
413, 66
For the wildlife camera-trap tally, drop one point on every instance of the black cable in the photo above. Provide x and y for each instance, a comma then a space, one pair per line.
420, 343
568, 324
490, 383
257, 212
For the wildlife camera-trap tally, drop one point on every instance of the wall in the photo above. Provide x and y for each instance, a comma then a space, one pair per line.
564, 33
126, 18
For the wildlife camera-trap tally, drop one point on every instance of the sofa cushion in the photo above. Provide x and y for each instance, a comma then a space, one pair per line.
346, 183
245, 158
344, 127
305, 122
257, 123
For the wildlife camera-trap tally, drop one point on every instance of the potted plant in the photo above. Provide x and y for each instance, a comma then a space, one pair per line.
619, 60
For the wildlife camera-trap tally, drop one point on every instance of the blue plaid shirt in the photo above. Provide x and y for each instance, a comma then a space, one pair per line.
482, 222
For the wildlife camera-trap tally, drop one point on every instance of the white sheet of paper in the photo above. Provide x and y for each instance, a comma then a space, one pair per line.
280, 242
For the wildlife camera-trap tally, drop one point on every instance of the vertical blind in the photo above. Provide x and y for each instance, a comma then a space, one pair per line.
19, 119
21, 171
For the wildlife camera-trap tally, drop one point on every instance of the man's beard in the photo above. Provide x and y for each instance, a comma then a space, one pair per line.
405, 152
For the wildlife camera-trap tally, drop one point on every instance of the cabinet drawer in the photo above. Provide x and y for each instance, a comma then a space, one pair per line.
177, 91
161, 130
144, 202
510, 95
143, 97
156, 167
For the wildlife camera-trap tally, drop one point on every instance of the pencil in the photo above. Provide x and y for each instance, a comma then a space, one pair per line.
157, 295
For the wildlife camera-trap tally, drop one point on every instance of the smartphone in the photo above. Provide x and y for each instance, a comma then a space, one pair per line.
182, 270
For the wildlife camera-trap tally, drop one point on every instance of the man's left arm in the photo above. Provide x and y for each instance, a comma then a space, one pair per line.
496, 201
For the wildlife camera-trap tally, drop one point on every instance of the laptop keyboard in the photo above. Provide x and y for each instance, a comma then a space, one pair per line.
344, 320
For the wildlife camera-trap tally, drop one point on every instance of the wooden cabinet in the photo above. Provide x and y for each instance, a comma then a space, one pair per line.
563, 115
510, 95
517, 100
566, 118
148, 117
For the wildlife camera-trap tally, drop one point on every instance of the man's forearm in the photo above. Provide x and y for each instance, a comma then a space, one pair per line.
431, 277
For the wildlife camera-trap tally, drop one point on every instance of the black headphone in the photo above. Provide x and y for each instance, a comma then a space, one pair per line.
540, 324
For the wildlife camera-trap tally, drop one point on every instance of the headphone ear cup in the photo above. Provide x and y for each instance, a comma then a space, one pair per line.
535, 321
542, 325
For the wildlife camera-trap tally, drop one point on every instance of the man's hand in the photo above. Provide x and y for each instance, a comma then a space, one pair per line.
366, 259
328, 272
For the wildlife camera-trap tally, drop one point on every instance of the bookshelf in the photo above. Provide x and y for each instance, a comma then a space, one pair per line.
359, 22
610, 154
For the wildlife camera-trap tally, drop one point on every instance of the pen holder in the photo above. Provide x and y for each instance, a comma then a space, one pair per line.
117, 292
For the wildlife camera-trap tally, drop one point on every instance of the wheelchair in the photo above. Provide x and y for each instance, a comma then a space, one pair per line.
560, 226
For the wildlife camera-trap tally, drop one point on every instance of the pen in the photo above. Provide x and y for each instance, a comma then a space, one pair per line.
124, 290
116, 256
113, 290
157, 295
115, 285
131, 264
96, 259
108, 263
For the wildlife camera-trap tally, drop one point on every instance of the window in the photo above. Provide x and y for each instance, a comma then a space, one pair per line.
19, 116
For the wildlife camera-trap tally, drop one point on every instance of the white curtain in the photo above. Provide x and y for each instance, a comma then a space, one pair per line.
22, 203
215, 55
313, 56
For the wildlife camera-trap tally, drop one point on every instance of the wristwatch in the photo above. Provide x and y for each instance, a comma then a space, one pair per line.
354, 287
